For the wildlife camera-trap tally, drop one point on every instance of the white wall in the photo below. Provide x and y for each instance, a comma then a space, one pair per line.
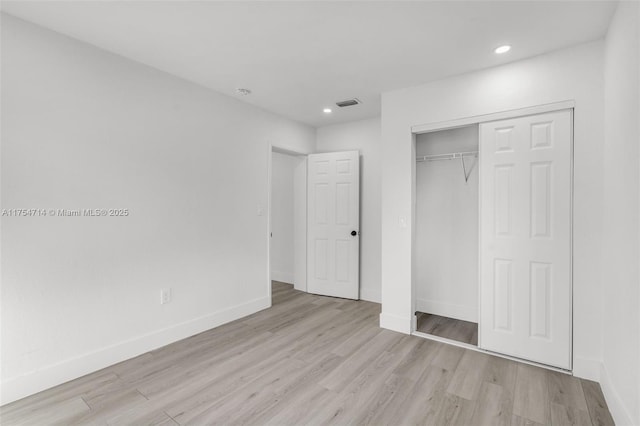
83, 128
621, 254
364, 136
282, 217
446, 234
575, 73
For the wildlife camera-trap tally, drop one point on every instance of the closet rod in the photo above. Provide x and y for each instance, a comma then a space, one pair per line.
450, 156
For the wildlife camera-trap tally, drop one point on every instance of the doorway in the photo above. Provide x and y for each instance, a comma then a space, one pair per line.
287, 221
313, 216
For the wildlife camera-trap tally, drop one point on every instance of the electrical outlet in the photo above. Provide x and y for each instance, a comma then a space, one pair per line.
165, 296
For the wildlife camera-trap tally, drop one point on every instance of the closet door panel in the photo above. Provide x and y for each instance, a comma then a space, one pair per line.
525, 220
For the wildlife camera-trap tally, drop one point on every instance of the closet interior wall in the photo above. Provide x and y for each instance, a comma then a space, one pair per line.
446, 239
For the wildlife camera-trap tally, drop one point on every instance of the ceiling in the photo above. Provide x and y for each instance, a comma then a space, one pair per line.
299, 57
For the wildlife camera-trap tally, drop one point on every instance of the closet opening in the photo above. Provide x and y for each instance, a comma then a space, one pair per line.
446, 234
492, 235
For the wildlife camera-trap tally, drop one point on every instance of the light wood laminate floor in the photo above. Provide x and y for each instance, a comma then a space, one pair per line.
314, 360
454, 329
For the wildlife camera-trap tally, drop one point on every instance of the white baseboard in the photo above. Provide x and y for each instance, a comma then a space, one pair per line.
371, 295
449, 310
44, 378
395, 323
284, 277
619, 412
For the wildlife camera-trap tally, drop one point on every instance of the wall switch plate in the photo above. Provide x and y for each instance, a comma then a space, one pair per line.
165, 296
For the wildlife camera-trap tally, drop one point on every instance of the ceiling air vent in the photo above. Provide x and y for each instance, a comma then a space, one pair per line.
348, 102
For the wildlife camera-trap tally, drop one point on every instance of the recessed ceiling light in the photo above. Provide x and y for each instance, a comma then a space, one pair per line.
327, 110
243, 92
502, 49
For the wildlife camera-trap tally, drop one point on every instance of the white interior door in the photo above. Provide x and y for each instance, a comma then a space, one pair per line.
333, 243
525, 256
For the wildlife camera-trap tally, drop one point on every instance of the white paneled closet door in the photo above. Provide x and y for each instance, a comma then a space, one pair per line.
525, 248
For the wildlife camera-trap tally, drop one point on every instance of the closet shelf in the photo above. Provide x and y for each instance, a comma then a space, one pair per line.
452, 156
449, 156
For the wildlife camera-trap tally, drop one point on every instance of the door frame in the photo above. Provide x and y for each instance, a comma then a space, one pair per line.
298, 236
476, 120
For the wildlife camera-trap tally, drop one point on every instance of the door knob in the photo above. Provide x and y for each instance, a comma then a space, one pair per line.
354, 233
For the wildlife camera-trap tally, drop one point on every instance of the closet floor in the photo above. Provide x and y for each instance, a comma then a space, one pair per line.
449, 328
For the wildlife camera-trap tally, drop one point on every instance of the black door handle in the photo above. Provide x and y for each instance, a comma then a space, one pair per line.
354, 233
